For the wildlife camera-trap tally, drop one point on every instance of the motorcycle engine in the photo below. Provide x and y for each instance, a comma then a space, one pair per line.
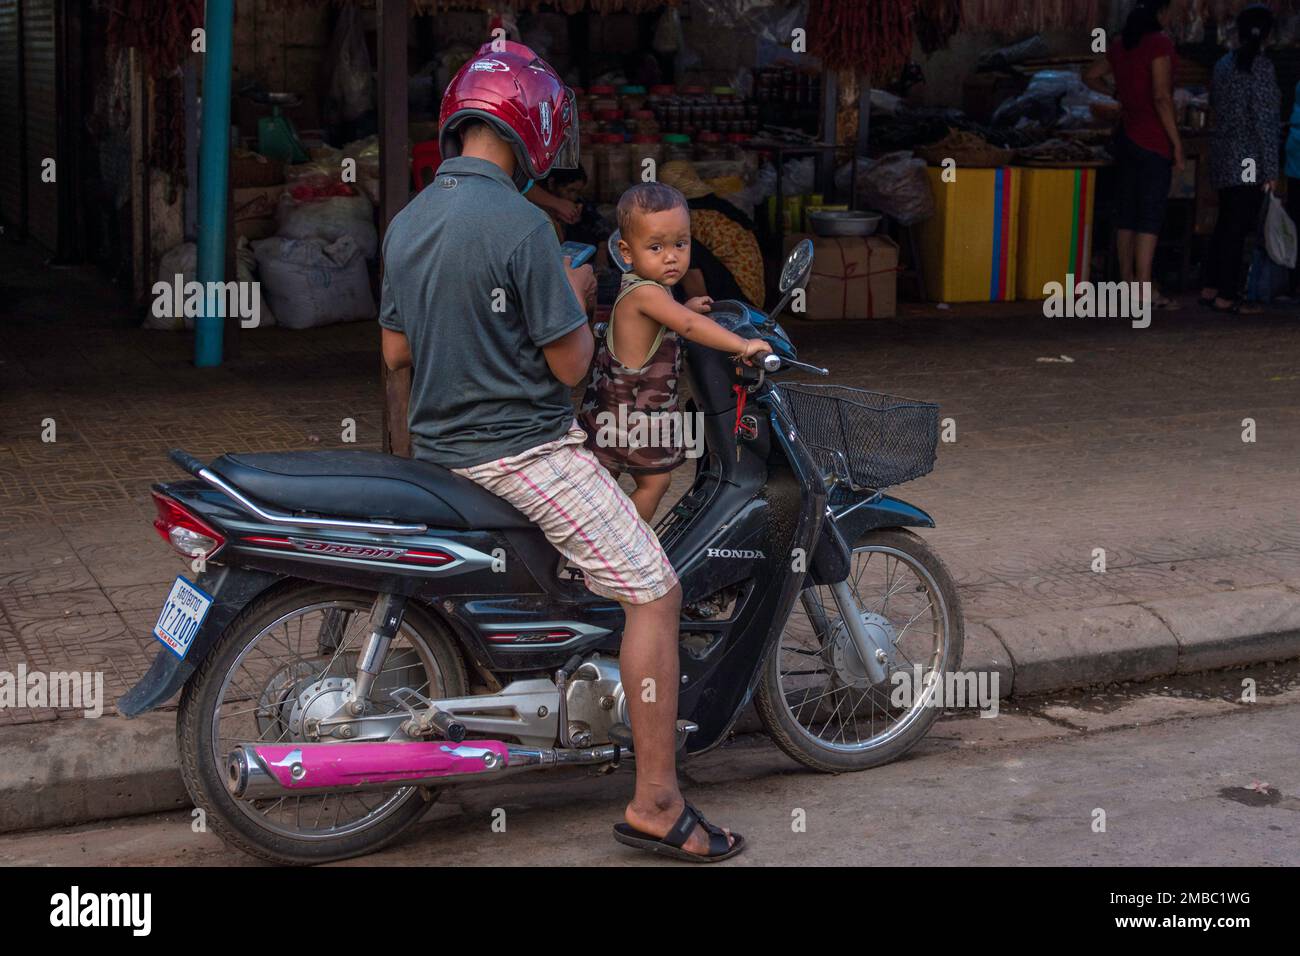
593, 702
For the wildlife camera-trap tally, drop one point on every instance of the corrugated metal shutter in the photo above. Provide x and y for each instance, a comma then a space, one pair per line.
40, 88
11, 160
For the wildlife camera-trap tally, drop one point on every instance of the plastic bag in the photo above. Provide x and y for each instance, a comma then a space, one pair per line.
1266, 279
310, 282
1000, 59
350, 83
668, 32
1279, 234
895, 184
329, 219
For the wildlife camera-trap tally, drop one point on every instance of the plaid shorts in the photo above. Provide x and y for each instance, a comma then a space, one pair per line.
584, 514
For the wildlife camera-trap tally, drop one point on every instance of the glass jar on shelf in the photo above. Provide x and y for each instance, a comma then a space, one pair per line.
710, 147
644, 123
644, 147
658, 99
676, 146
603, 98
631, 98
613, 167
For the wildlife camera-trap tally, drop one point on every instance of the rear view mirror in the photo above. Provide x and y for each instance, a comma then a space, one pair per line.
794, 274
615, 257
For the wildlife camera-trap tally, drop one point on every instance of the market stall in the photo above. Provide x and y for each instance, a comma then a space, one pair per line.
959, 132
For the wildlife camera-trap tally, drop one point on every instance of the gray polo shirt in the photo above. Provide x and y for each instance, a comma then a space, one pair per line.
474, 277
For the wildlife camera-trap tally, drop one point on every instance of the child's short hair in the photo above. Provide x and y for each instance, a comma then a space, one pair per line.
647, 197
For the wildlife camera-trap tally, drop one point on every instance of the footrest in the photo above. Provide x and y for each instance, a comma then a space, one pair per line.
621, 734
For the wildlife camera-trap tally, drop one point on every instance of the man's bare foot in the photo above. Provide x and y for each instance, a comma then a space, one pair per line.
658, 820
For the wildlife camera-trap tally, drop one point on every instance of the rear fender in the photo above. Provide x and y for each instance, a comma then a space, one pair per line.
231, 589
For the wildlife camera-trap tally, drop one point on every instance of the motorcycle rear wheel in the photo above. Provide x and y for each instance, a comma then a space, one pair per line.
813, 670
203, 743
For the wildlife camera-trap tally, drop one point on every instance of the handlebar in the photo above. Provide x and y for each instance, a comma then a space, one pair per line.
775, 363
186, 461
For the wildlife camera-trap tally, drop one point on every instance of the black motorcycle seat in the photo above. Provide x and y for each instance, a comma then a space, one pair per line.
366, 484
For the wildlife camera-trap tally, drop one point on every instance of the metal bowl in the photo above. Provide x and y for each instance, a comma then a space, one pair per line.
843, 222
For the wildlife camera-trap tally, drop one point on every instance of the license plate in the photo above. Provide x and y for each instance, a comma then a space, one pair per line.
182, 615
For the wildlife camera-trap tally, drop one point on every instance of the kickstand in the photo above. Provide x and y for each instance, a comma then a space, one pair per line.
608, 768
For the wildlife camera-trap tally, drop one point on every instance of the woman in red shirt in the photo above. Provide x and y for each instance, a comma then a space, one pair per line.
1141, 62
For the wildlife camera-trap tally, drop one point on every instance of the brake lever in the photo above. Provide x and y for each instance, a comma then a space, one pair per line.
774, 363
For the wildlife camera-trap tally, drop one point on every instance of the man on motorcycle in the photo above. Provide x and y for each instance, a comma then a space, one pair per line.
477, 301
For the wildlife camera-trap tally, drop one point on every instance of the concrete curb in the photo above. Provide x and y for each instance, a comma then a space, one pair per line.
1063, 649
65, 772
68, 772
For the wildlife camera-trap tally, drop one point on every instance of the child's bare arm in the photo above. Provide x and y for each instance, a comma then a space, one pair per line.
654, 304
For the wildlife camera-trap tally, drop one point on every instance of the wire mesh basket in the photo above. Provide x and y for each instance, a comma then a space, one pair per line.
867, 439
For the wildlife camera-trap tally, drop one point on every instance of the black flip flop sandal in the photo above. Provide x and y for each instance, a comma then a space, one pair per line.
674, 839
1238, 308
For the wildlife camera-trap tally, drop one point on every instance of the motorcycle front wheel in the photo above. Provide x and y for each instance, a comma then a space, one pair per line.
814, 697
287, 651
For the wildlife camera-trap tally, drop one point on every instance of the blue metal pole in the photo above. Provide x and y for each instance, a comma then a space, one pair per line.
214, 158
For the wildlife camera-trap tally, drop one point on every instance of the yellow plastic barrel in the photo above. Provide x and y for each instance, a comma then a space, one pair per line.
1055, 224
968, 247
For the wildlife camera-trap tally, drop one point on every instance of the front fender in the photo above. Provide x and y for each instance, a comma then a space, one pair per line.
880, 511
231, 589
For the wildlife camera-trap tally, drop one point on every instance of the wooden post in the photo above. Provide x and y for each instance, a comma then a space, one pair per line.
140, 279
394, 190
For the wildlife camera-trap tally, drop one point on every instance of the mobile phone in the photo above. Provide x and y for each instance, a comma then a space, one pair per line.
578, 253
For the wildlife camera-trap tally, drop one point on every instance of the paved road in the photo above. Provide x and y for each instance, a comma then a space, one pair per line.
1185, 773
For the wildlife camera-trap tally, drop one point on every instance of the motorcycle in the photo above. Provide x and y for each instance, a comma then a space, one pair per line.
365, 630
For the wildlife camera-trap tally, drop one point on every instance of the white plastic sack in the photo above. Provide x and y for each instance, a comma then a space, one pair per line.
182, 260
329, 219
1279, 234
310, 282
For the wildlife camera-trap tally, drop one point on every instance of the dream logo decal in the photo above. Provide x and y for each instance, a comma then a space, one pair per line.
544, 113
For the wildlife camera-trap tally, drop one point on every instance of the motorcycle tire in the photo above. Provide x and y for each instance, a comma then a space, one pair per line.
204, 775
793, 738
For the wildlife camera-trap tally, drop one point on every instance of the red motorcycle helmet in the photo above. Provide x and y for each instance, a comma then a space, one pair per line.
523, 99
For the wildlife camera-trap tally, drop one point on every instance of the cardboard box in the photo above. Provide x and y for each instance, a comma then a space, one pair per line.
255, 210
256, 202
853, 277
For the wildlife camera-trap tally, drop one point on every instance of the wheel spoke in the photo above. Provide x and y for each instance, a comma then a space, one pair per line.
848, 705
274, 661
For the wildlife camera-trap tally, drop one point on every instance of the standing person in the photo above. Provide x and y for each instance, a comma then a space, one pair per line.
1147, 146
1293, 177
490, 386
1246, 107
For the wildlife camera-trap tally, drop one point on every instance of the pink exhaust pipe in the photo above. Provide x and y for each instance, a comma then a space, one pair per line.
255, 771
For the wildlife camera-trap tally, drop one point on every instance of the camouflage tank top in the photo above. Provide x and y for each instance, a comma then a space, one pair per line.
631, 414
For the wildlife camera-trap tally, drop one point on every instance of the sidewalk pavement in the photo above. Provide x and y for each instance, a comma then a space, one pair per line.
1133, 446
